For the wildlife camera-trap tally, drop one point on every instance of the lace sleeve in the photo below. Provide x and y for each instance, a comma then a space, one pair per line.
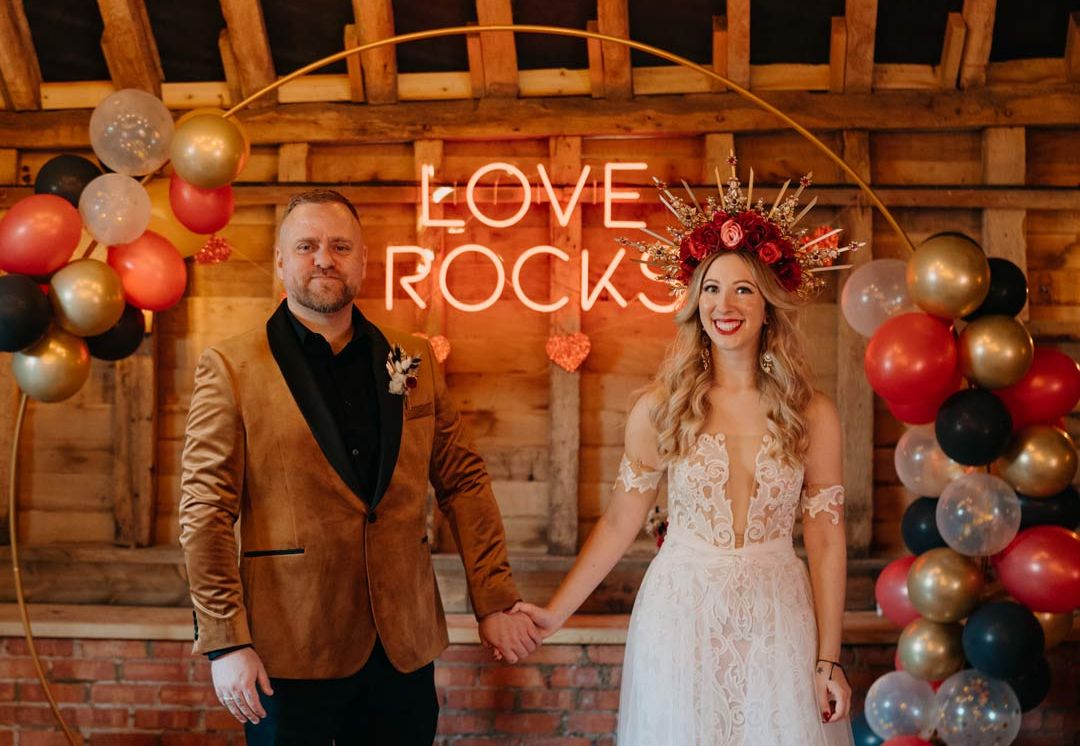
635, 476
823, 499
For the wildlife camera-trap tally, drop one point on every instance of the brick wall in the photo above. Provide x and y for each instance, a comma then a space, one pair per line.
136, 693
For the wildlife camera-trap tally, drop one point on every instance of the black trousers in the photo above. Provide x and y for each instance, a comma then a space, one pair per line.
376, 706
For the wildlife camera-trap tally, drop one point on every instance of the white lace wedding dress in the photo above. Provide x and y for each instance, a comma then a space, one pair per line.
723, 641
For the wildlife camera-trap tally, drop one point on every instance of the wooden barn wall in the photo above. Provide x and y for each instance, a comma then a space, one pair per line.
498, 372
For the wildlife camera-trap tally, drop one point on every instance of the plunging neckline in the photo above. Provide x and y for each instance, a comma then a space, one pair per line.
721, 439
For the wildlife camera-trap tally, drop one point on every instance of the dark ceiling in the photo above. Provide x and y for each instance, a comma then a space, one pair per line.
67, 33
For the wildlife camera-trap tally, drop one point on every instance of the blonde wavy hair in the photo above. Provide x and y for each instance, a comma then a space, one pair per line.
679, 401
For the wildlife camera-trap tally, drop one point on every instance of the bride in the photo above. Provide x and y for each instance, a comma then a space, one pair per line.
730, 641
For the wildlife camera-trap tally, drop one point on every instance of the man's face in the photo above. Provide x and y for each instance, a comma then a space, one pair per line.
320, 256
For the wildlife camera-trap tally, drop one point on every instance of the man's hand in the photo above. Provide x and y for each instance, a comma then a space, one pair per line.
513, 636
547, 622
235, 676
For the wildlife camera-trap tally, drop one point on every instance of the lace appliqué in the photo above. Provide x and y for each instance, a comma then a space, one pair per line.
636, 476
824, 500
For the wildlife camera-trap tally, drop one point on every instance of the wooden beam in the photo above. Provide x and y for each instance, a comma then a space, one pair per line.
979, 19
1004, 162
861, 25
719, 52
952, 51
228, 64
499, 50
596, 63
854, 397
613, 19
837, 54
1072, 48
353, 64
131, 52
250, 46
376, 21
19, 69
135, 446
564, 433
476, 63
718, 147
9, 166
738, 42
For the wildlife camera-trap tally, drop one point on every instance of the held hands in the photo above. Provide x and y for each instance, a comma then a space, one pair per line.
833, 691
546, 621
511, 637
235, 676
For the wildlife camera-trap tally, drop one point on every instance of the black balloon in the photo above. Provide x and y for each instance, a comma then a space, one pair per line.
1032, 685
1002, 638
919, 526
864, 735
973, 427
1008, 290
25, 313
123, 339
1062, 509
66, 176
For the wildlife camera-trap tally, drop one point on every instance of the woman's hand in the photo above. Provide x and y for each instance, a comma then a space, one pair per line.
833, 691
547, 621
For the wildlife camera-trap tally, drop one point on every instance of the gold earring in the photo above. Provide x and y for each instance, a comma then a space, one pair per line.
706, 353
766, 362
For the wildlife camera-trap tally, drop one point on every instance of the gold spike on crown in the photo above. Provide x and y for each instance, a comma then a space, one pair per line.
729, 221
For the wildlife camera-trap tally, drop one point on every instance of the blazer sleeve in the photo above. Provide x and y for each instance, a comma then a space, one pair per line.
463, 491
211, 484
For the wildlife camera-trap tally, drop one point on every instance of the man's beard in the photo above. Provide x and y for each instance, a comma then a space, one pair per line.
324, 300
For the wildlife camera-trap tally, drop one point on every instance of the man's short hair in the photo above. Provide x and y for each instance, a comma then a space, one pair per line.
319, 196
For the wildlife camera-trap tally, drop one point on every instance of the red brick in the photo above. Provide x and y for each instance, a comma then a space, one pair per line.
522, 676
98, 717
465, 723
200, 670
170, 649
591, 722
598, 699
607, 654
546, 699
466, 654
455, 675
478, 699
75, 670
221, 719
195, 739
556, 654
7, 691
46, 647
113, 648
614, 677
17, 668
124, 739
165, 719
575, 677
127, 694
42, 738
483, 741
559, 741
61, 692
7, 738
188, 694
527, 722
155, 671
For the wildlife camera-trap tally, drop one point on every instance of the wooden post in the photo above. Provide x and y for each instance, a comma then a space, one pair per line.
979, 19
738, 42
131, 52
837, 54
596, 63
565, 393
613, 19
19, 69
352, 64
718, 148
854, 397
135, 441
952, 51
719, 52
1003, 233
9, 407
499, 52
860, 24
250, 48
376, 21
1072, 49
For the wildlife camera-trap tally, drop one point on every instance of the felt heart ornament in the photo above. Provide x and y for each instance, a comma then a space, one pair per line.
568, 351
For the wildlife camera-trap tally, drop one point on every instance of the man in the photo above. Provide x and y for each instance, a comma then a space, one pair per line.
319, 433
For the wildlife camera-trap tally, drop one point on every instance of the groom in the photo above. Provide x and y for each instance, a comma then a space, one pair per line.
320, 434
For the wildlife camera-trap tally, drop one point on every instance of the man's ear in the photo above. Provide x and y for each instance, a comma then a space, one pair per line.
278, 262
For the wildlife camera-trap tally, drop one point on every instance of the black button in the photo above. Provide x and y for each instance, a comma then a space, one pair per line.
372, 517
356, 451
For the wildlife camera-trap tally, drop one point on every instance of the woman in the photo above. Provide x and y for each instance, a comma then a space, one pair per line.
730, 642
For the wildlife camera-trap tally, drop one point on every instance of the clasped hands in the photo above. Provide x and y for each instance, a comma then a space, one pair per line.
512, 635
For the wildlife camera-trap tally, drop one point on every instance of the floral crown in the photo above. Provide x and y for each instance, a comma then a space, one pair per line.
734, 223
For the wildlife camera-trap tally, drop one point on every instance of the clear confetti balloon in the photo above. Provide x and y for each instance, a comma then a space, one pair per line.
874, 293
921, 464
115, 209
131, 132
973, 709
978, 514
898, 704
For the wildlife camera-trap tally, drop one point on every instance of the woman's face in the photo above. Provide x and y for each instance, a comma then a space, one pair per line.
731, 306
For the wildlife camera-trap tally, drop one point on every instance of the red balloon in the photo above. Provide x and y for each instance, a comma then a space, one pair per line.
921, 412
1048, 391
1041, 569
892, 594
151, 270
38, 235
911, 358
200, 210
907, 741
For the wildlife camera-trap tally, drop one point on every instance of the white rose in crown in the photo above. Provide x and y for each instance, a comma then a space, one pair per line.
402, 369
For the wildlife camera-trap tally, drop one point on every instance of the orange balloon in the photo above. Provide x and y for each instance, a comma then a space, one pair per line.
153, 274
165, 223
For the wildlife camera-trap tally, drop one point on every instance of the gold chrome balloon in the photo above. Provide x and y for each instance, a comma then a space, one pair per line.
1040, 461
87, 297
167, 225
1056, 627
207, 151
931, 651
944, 585
54, 368
948, 275
995, 351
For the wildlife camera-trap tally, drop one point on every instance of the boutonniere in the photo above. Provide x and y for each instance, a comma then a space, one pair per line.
402, 369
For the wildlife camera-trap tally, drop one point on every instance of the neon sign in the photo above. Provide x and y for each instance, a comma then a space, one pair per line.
425, 258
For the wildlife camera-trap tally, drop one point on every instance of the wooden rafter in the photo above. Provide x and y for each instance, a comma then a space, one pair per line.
376, 21
861, 24
837, 54
738, 42
613, 19
353, 64
719, 51
979, 19
129, 46
596, 62
1072, 48
246, 37
952, 51
499, 53
19, 69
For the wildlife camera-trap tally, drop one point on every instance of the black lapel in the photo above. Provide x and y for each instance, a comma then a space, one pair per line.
286, 350
390, 412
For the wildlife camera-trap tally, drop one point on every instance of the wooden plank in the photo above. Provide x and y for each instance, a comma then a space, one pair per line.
9, 166
952, 51
499, 51
719, 52
979, 19
596, 62
854, 398
861, 24
476, 63
376, 21
718, 148
1004, 162
738, 42
1072, 48
353, 64
130, 49
19, 68
231, 69
135, 444
565, 397
251, 47
1039, 72
904, 77
613, 19
837, 54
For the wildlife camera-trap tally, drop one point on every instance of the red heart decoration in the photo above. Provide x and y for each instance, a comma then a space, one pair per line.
440, 345
568, 351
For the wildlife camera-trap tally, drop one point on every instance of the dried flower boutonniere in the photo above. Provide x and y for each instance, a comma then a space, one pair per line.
656, 524
402, 369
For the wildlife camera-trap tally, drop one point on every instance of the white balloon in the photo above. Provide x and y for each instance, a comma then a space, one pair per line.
973, 709
131, 131
898, 704
921, 464
978, 514
115, 209
874, 293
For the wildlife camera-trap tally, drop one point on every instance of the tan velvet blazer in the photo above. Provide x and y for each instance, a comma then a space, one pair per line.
320, 569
